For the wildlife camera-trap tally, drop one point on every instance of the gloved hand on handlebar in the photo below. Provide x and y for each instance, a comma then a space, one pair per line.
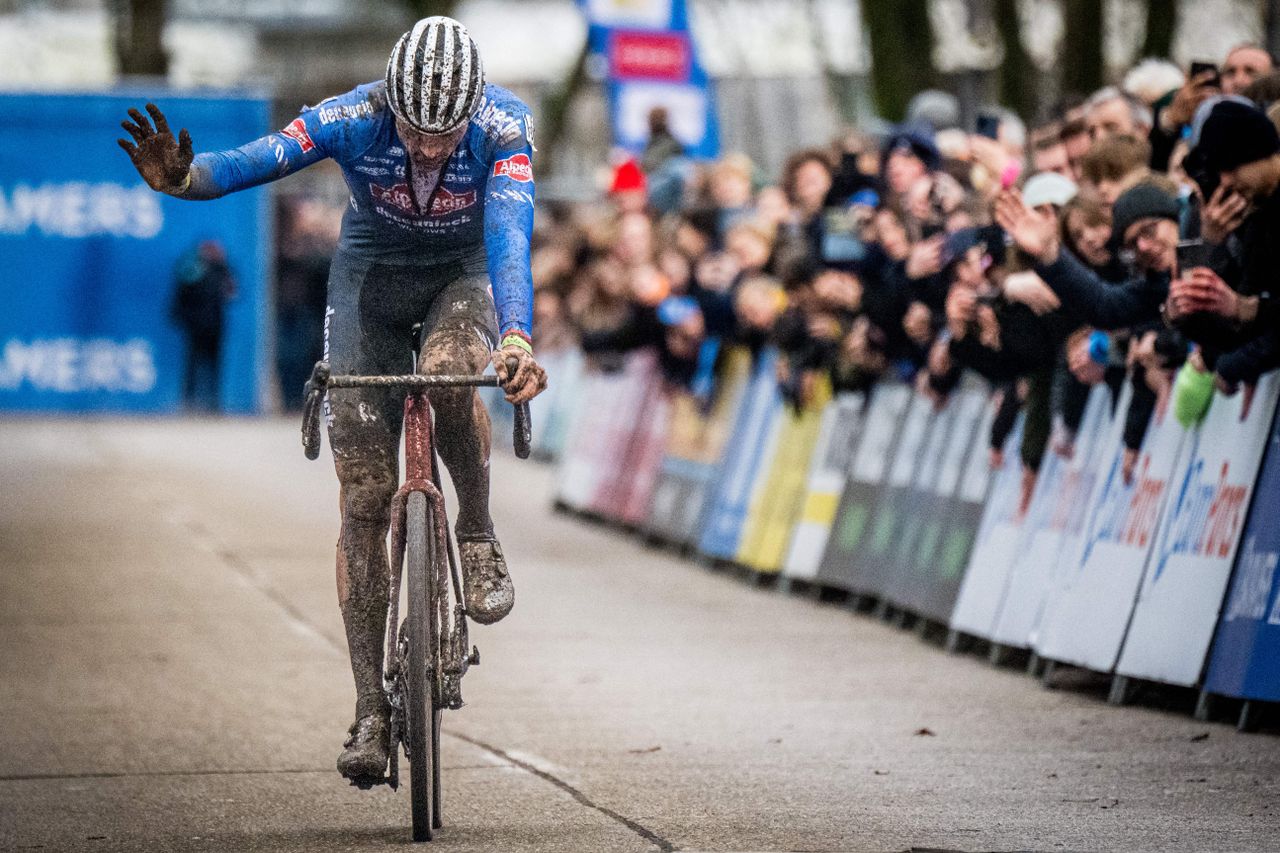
163, 162
528, 379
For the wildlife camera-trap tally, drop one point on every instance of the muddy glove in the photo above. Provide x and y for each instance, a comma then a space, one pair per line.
528, 380
163, 163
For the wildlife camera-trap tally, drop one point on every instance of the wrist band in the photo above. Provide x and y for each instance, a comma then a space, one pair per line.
518, 340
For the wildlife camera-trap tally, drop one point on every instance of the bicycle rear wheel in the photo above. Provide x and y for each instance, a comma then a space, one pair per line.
424, 667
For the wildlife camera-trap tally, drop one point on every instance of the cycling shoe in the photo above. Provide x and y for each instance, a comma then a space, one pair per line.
487, 586
364, 758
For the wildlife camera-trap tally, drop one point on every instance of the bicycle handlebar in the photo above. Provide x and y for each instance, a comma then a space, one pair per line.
321, 380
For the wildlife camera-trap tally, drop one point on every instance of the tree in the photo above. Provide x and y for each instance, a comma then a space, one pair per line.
901, 39
1081, 60
428, 8
1162, 21
1019, 89
139, 32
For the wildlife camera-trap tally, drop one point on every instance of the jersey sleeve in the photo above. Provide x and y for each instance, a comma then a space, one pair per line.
299, 144
508, 227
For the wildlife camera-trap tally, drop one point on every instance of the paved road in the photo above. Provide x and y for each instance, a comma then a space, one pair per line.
173, 677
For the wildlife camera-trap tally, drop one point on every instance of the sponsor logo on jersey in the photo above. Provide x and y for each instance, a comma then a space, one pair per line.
397, 195
497, 122
512, 195
328, 115
371, 170
516, 167
528, 131
297, 131
443, 203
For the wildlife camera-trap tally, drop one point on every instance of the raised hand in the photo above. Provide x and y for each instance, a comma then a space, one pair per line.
161, 161
1035, 233
1223, 214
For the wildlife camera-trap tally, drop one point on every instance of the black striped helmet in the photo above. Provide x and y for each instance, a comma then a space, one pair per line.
434, 76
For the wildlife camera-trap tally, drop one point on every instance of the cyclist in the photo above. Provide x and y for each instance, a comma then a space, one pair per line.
438, 166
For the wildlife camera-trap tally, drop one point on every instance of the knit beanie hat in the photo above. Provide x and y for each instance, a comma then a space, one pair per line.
1143, 201
1234, 134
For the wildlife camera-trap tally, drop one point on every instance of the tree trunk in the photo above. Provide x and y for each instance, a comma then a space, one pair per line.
1271, 19
901, 39
428, 8
1018, 75
1162, 22
139, 33
1082, 70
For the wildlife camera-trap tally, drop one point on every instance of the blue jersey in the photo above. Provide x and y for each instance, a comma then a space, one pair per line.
484, 193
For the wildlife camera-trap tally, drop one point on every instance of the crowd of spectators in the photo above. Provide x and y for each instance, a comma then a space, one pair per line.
1122, 239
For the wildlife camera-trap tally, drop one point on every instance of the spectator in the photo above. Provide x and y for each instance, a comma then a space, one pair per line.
1114, 164
1111, 112
1244, 64
203, 285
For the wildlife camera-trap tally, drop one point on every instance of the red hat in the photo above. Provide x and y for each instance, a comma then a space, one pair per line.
627, 178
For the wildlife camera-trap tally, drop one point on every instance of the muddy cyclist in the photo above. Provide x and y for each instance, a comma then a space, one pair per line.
438, 163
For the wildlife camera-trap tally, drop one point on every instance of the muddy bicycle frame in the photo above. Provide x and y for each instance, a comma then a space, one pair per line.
447, 658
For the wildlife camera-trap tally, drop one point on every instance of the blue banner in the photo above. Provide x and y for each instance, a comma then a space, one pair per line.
1245, 661
651, 61
731, 495
89, 256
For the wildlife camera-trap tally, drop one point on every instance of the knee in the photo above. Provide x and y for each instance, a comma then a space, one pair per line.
367, 491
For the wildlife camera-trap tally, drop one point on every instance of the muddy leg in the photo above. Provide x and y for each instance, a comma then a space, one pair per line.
462, 422
368, 484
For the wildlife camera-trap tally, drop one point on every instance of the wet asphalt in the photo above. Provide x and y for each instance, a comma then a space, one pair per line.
173, 677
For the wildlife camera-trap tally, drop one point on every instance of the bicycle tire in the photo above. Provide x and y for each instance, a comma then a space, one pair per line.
424, 644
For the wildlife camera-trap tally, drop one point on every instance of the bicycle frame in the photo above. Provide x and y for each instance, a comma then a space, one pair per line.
449, 652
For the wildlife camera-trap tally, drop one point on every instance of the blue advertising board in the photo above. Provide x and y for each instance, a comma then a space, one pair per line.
88, 254
651, 61
1245, 661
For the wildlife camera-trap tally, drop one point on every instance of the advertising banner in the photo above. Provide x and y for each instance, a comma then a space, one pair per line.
1086, 617
837, 438
695, 443
651, 61
846, 546
89, 255
1245, 661
1182, 592
1063, 488
928, 575
598, 437
978, 600
749, 443
779, 499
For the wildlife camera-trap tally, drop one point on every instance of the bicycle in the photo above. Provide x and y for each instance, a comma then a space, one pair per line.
426, 656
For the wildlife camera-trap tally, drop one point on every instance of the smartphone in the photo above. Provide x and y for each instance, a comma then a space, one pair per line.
1192, 254
1198, 68
988, 126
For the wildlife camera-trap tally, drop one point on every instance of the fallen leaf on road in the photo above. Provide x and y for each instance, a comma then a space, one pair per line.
1199, 737
881, 772
924, 732
643, 751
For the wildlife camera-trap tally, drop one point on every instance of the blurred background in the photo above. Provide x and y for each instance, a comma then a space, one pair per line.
93, 263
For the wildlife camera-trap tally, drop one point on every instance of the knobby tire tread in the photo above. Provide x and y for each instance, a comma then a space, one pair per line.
423, 716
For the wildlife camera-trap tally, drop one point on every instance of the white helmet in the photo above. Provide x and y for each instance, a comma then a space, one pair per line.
434, 76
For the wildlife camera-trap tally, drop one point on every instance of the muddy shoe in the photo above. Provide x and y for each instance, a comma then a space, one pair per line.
364, 759
487, 587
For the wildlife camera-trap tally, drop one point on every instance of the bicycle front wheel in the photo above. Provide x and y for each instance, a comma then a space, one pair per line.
421, 552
